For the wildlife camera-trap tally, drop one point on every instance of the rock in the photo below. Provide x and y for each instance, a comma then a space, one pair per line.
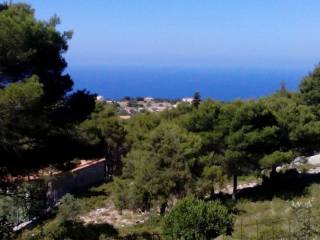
314, 160
299, 160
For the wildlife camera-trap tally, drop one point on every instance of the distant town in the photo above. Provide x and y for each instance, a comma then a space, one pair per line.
129, 106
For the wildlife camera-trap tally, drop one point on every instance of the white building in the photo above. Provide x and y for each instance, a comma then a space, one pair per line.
148, 99
187, 99
100, 98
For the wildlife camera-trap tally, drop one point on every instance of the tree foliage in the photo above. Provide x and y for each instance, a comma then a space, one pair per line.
69, 209
276, 158
253, 134
105, 131
18, 108
195, 219
162, 165
310, 87
6, 229
155, 157
196, 99
32, 47
37, 113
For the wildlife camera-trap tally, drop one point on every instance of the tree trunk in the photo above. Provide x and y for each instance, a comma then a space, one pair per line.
235, 186
273, 171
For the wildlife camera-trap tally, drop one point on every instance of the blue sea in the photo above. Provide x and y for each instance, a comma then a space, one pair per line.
173, 83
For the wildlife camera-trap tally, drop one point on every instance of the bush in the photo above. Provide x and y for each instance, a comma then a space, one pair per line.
196, 219
35, 200
69, 208
120, 194
6, 229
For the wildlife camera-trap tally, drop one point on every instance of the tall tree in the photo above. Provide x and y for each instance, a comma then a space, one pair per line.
253, 134
32, 47
106, 133
310, 87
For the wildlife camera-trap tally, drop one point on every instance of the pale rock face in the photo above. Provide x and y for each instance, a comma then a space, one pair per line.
314, 160
300, 160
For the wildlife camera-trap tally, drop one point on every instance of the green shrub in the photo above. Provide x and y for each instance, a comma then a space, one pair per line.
196, 219
69, 208
306, 226
6, 232
121, 194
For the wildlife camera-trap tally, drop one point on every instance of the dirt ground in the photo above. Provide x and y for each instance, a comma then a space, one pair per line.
109, 214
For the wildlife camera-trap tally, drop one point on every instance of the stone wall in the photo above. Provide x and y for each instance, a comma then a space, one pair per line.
76, 180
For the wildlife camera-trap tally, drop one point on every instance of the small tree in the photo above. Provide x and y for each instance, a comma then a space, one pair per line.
275, 159
162, 166
69, 208
195, 219
283, 91
120, 194
196, 99
212, 177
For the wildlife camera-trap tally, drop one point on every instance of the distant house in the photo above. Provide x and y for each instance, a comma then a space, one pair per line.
188, 99
148, 99
100, 98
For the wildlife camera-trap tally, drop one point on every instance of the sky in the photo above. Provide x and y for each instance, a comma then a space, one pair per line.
189, 33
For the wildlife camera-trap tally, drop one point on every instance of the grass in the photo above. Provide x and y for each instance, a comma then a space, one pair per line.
95, 197
247, 179
91, 199
98, 196
153, 225
272, 216
262, 211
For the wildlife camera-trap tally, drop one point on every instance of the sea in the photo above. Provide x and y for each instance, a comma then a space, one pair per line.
225, 84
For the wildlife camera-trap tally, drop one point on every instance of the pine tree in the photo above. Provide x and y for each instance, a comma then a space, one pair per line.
196, 99
283, 92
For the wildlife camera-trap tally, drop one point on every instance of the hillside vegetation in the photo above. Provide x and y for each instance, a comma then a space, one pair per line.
157, 163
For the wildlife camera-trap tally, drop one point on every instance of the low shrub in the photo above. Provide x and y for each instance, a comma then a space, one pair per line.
196, 219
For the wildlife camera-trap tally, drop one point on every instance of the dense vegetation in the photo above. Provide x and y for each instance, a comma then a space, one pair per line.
153, 158
38, 111
194, 148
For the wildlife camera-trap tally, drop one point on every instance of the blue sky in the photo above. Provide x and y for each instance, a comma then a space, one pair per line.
193, 33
